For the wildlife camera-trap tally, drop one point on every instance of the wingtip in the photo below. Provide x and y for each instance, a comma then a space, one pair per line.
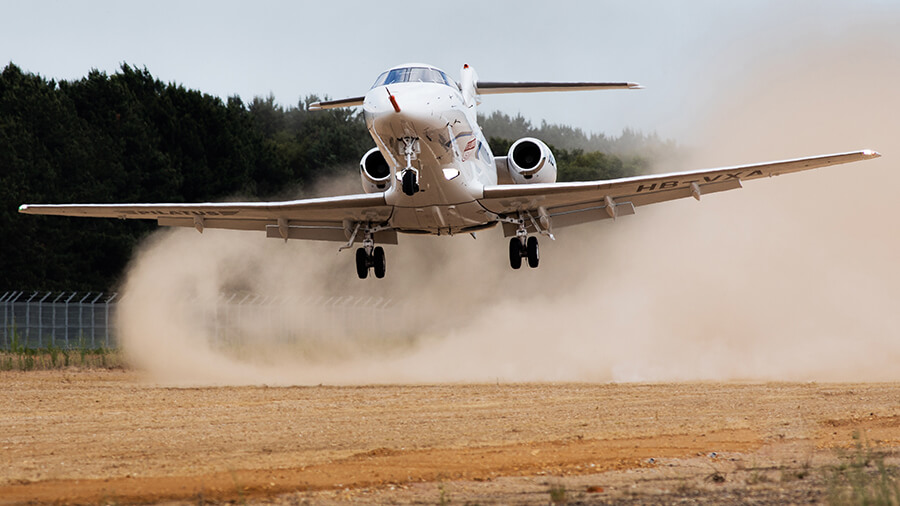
635, 86
315, 106
23, 208
871, 153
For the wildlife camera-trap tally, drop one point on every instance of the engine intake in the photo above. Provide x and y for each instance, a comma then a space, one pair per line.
375, 172
531, 161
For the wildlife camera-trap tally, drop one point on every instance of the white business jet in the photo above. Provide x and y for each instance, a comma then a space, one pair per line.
433, 172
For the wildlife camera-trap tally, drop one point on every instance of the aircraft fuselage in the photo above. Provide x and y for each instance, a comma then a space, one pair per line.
427, 127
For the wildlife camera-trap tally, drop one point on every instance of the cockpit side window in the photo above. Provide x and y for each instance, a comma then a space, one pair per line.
413, 75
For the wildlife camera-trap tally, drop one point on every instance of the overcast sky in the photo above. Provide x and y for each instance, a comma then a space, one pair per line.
681, 51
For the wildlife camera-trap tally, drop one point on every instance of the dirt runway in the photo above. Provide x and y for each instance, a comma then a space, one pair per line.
110, 436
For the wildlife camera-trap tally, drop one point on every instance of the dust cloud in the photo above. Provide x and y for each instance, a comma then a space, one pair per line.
792, 278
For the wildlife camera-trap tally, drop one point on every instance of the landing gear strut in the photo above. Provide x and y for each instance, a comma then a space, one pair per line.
410, 176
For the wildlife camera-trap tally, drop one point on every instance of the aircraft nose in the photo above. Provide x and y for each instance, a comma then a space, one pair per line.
405, 108
380, 101
393, 100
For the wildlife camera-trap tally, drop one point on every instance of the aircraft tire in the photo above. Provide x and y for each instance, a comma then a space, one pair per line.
362, 263
532, 252
410, 185
379, 264
515, 253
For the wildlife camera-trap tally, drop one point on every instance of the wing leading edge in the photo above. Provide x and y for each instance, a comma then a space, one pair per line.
330, 218
565, 204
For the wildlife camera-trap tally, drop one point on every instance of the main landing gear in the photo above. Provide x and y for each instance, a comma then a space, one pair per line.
521, 247
369, 256
375, 260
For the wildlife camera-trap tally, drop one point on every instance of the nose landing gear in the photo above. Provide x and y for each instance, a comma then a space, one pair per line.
410, 176
410, 182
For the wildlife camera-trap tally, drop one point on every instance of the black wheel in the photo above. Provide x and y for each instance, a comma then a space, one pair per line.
410, 184
532, 252
515, 253
362, 263
378, 262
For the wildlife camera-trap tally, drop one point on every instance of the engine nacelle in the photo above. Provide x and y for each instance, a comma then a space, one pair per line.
530, 161
375, 172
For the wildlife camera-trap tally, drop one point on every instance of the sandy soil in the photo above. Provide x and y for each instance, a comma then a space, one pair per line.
110, 436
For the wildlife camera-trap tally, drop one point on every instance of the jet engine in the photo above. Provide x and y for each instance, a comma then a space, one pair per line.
375, 172
530, 161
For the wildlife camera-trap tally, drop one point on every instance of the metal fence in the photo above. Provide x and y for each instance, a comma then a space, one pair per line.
64, 319
78, 319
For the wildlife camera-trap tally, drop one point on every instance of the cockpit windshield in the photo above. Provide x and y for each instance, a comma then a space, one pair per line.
413, 75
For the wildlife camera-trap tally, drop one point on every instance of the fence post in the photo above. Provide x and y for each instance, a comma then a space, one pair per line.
240, 318
108, 302
53, 321
12, 309
41, 320
28, 317
94, 319
81, 319
4, 299
67, 317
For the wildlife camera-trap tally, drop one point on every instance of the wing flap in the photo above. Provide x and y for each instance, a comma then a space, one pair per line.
335, 232
214, 223
567, 218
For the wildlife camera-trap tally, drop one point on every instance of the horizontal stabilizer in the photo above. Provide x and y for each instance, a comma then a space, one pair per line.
334, 104
495, 87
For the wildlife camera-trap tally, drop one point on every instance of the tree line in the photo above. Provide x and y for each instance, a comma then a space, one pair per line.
129, 137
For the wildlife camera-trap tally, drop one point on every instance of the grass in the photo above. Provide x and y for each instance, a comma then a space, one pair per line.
862, 477
21, 357
558, 494
444, 497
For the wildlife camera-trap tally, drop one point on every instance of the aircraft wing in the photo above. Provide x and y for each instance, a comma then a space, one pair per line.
565, 204
330, 218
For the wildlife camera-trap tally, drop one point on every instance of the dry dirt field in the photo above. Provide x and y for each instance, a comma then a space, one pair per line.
111, 437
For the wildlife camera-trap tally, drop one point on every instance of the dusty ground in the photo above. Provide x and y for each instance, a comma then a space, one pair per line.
110, 436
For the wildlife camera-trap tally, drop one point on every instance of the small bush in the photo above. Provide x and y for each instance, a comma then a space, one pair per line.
558, 494
862, 477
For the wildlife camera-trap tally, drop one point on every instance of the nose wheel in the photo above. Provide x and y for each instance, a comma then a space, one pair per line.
374, 260
410, 182
520, 247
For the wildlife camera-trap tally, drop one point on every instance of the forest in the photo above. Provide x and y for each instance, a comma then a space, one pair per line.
129, 137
